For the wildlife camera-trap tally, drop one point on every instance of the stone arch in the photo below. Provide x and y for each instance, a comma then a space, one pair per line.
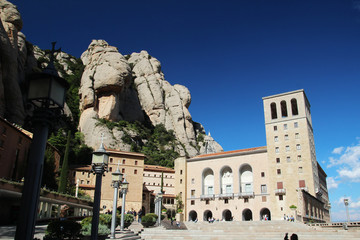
227, 215
192, 215
273, 110
226, 180
294, 107
265, 212
246, 178
208, 181
247, 215
207, 214
284, 112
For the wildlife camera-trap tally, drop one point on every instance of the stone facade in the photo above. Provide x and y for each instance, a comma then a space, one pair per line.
130, 164
262, 183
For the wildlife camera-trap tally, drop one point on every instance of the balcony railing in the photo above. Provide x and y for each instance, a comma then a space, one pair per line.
305, 189
225, 196
246, 195
281, 191
207, 197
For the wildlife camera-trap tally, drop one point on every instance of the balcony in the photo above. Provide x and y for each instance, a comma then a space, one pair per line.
246, 195
304, 188
225, 196
281, 191
207, 197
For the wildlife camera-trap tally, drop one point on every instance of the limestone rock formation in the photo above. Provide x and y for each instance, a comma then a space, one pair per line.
131, 88
12, 54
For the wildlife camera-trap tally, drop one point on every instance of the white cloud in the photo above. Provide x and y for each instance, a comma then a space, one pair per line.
348, 162
331, 183
354, 204
338, 150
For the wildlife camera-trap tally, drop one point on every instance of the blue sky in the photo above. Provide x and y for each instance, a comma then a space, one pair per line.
230, 54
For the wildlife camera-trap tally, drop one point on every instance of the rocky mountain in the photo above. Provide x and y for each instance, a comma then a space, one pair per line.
114, 88
133, 88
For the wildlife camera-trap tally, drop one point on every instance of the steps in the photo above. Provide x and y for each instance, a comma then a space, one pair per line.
269, 230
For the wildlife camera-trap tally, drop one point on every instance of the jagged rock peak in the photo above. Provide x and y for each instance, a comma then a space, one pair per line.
131, 88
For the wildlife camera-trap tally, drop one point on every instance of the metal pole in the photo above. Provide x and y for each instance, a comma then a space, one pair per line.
113, 220
123, 210
96, 208
31, 190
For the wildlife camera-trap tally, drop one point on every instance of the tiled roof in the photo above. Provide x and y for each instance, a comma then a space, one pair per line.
80, 167
231, 152
158, 168
124, 152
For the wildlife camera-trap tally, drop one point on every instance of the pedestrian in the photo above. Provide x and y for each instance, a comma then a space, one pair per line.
286, 236
139, 215
294, 237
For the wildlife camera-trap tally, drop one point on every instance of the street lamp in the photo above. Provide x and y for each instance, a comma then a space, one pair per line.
46, 92
99, 164
158, 205
124, 189
346, 202
116, 179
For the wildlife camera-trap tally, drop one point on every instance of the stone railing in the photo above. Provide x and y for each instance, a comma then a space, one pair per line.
246, 195
207, 197
225, 196
281, 191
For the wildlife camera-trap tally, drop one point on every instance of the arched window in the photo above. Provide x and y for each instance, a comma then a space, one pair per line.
208, 182
284, 112
273, 111
246, 179
226, 181
294, 107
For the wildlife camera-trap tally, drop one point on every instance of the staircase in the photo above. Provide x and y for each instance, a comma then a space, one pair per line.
259, 230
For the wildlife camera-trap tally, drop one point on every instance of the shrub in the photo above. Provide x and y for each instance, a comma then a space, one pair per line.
149, 219
103, 219
153, 216
102, 230
65, 229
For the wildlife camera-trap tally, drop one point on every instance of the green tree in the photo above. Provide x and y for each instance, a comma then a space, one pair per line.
65, 167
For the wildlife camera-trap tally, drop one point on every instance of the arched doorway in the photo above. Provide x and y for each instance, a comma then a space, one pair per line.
226, 215
207, 214
247, 215
265, 213
192, 215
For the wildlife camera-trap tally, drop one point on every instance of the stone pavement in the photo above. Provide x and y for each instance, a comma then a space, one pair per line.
257, 230
8, 232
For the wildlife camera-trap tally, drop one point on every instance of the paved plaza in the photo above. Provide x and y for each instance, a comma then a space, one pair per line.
269, 230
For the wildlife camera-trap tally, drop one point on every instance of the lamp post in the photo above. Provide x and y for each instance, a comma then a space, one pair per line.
116, 179
46, 92
158, 205
346, 202
124, 188
99, 166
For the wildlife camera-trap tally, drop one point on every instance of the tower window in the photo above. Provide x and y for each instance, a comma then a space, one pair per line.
297, 136
298, 146
276, 138
285, 127
277, 160
284, 112
294, 107
288, 159
277, 150
278, 171
262, 174
296, 124
287, 148
273, 111
299, 157
286, 137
